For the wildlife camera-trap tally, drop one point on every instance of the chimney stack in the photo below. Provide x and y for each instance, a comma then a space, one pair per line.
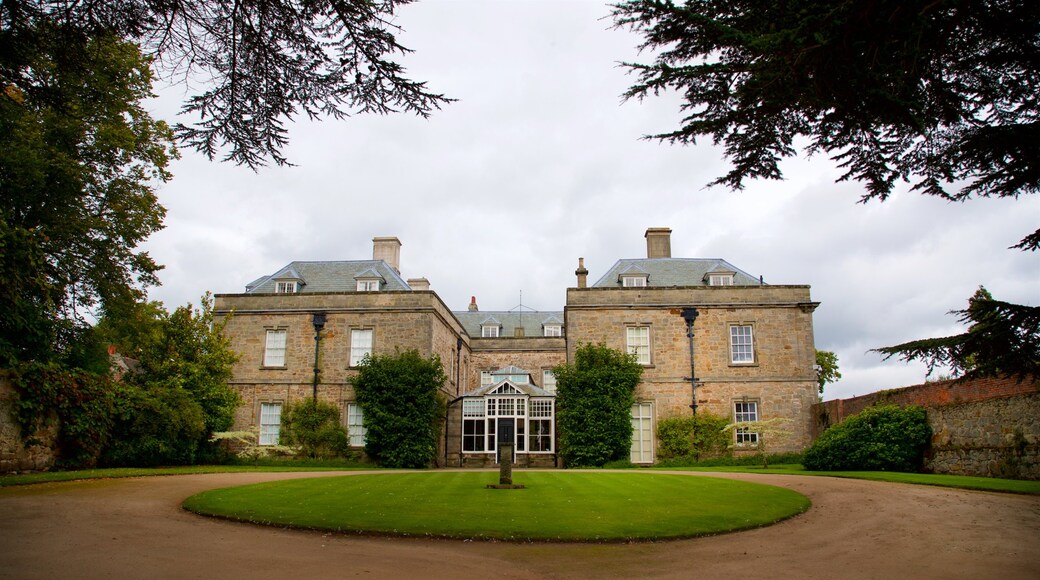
658, 243
473, 304
418, 283
388, 250
582, 273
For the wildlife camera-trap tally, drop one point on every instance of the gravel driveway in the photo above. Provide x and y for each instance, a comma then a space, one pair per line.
135, 528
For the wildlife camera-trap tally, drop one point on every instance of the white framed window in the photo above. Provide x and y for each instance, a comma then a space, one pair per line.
368, 285
642, 433
360, 345
474, 437
744, 411
552, 330
285, 287
355, 425
720, 280
540, 439
637, 342
741, 344
486, 378
633, 281
549, 380
489, 331
270, 423
274, 348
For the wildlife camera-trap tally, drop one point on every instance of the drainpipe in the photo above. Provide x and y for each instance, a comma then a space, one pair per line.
319, 323
690, 316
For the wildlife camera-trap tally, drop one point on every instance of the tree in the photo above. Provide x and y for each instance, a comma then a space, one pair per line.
594, 398
936, 92
257, 63
77, 174
313, 428
1003, 339
880, 438
826, 368
398, 394
768, 430
177, 396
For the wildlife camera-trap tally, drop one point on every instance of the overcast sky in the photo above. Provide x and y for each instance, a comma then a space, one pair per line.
539, 162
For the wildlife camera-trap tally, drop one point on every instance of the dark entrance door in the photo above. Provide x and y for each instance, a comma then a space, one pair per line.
506, 434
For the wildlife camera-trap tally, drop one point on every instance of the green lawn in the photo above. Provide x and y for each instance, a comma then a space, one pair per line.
556, 505
116, 472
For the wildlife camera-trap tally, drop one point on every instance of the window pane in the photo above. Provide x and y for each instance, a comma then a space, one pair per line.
270, 423
638, 343
274, 349
355, 425
549, 381
743, 412
742, 344
360, 345
642, 433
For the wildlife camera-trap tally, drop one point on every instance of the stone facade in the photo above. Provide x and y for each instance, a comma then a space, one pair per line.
778, 380
781, 378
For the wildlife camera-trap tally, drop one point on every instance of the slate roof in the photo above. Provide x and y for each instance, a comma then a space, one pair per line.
664, 272
532, 321
330, 276
527, 389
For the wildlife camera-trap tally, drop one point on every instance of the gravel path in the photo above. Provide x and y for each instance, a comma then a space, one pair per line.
135, 528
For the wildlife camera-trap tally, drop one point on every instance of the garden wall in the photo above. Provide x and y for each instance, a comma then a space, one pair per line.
14, 454
987, 427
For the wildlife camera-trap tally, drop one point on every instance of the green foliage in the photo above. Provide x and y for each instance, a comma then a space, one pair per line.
155, 425
1003, 340
827, 368
936, 92
398, 394
689, 439
81, 402
774, 459
880, 438
78, 168
594, 398
264, 61
313, 428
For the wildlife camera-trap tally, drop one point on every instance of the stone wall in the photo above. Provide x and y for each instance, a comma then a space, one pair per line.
15, 455
987, 427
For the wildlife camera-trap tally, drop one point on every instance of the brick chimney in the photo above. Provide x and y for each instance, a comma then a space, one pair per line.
388, 250
473, 304
658, 243
582, 274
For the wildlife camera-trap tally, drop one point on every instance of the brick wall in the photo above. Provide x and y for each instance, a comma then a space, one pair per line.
988, 427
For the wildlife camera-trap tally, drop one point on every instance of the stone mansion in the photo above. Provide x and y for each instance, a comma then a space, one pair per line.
750, 354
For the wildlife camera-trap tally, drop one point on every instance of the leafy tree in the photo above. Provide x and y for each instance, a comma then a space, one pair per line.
769, 431
313, 427
77, 170
259, 63
594, 398
880, 438
1003, 339
177, 396
691, 438
826, 368
398, 394
936, 92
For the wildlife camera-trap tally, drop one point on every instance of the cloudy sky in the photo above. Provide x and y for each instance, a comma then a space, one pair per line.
539, 162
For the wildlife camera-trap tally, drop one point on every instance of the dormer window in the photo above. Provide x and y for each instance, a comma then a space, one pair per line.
633, 281
286, 287
489, 331
552, 330
370, 285
720, 279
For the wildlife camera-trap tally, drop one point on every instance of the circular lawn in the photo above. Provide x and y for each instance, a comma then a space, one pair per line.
554, 506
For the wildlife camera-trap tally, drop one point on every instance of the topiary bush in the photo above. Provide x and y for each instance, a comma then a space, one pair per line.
689, 439
880, 438
314, 430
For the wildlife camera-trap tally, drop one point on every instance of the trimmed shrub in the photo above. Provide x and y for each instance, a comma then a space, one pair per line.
155, 426
314, 430
594, 398
880, 438
398, 394
692, 438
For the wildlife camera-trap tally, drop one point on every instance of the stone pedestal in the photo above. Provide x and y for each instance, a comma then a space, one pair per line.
505, 468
